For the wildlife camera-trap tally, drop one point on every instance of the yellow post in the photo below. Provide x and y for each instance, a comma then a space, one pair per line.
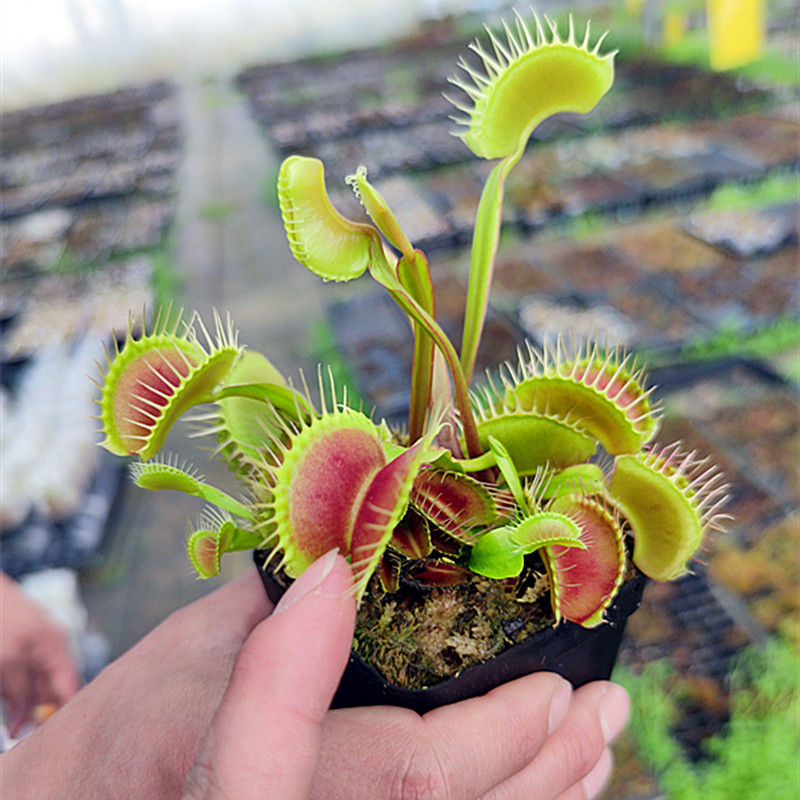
735, 32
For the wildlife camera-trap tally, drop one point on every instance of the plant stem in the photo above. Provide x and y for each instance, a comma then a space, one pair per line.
485, 240
414, 274
470, 429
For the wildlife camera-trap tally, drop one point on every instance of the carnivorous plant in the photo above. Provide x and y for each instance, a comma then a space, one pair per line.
547, 467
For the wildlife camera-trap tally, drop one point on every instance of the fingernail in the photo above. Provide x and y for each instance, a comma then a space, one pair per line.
595, 781
613, 711
559, 706
309, 582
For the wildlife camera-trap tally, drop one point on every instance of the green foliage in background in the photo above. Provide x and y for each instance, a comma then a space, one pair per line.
754, 758
325, 350
269, 190
776, 190
774, 66
216, 212
778, 337
166, 281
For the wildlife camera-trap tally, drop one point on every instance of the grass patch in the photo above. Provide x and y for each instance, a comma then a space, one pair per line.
754, 757
778, 337
216, 211
776, 190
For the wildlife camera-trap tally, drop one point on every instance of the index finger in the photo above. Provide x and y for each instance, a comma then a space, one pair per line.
264, 739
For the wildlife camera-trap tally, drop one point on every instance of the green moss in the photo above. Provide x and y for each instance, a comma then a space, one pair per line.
420, 638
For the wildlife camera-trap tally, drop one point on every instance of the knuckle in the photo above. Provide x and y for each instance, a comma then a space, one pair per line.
423, 776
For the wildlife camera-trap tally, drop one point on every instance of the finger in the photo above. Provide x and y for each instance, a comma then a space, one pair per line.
596, 716
457, 751
264, 739
505, 729
592, 786
237, 606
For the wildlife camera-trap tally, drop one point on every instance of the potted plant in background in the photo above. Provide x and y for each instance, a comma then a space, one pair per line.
509, 527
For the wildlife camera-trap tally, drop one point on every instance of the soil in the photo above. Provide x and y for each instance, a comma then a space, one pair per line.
417, 638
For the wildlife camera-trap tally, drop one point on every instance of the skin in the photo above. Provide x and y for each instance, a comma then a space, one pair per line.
226, 700
37, 667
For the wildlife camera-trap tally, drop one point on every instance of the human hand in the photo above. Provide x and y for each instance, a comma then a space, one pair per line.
274, 737
531, 738
135, 731
36, 664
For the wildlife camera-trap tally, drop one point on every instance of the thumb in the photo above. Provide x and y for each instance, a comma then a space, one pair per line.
264, 738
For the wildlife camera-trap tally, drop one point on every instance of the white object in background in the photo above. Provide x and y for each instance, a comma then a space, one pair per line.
56, 590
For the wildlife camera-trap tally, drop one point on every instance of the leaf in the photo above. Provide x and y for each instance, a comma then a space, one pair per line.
319, 486
528, 79
389, 572
453, 502
532, 440
411, 536
379, 212
381, 508
204, 553
336, 248
496, 555
485, 241
600, 394
500, 553
583, 479
584, 581
414, 274
546, 529
158, 476
669, 498
157, 377
506, 466
321, 239
215, 536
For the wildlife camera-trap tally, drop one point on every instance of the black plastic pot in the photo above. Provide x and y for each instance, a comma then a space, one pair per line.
578, 654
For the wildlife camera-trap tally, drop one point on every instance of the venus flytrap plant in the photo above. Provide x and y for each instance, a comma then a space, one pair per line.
527, 79
543, 482
217, 534
159, 376
160, 475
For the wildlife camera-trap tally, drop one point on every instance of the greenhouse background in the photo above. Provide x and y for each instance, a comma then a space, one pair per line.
140, 147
